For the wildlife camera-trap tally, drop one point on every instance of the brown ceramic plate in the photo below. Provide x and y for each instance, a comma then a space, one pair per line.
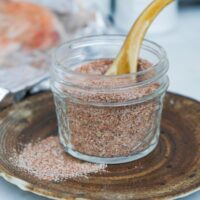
171, 171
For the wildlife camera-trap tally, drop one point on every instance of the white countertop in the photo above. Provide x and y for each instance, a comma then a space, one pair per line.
183, 48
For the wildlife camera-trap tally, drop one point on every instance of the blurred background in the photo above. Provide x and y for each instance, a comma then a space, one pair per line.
31, 29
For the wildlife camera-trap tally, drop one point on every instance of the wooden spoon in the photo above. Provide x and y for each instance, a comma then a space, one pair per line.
127, 59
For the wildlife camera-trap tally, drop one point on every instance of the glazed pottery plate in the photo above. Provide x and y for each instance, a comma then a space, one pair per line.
172, 170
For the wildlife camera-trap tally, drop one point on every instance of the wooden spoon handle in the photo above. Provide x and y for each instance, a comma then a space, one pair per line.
127, 59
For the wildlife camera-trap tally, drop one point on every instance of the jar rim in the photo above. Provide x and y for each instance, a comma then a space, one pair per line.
160, 49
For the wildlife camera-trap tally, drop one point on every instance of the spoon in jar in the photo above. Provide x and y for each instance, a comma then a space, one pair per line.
127, 59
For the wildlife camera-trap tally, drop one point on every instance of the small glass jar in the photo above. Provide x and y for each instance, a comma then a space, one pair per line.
108, 119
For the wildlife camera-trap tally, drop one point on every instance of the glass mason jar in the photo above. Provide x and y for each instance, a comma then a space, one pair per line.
108, 119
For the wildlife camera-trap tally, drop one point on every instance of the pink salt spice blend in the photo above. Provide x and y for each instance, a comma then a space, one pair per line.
108, 131
47, 160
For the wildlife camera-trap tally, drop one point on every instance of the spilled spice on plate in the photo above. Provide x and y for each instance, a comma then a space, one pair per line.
47, 160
